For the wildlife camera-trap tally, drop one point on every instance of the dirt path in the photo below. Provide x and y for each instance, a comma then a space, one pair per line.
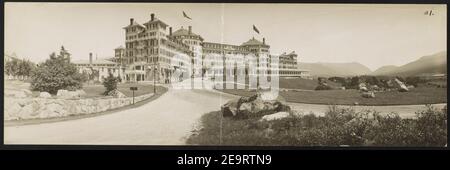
166, 121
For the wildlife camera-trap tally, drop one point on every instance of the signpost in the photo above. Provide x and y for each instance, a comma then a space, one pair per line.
133, 89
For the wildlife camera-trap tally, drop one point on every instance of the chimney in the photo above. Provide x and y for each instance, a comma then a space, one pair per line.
190, 29
131, 21
170, 31
90, 58
264, 40
152, 16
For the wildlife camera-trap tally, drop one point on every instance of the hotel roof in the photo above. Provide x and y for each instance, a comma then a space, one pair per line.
155, 20
134, 23
253, 41
184, 32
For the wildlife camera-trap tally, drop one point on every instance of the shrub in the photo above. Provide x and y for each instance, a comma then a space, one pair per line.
337, 127
432, 127
56, 73
19, 68
110, 83
323, 87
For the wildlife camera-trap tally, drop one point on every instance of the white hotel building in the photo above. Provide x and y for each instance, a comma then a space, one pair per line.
153, 45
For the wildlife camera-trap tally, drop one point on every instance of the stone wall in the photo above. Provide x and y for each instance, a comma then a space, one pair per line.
17, 108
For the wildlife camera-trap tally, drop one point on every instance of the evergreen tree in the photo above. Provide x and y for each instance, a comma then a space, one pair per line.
56, 73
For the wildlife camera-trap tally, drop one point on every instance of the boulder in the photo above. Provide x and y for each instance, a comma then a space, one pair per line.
342, 88
27, 112
45, 95
362, 85
400, 85
116, 93
62, 93
368, 95
375, 87
275, 116
65, 94
52, 110
230, 108
24, 101
253, 106
12, 111
363, 89
410, 87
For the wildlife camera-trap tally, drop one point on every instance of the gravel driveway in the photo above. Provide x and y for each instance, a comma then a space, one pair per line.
167, 120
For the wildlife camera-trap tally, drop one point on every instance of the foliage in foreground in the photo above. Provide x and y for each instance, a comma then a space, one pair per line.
56, 73
338, 127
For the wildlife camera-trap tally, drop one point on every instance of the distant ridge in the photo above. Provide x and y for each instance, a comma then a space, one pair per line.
435, 63
335, 69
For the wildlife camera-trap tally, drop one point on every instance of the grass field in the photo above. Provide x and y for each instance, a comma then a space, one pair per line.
97, 90
305, 84
93, 90
422, 95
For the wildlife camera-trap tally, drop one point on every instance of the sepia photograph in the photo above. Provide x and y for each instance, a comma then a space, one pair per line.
225, 74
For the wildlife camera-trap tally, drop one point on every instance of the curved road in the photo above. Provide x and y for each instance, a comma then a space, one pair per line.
167, 120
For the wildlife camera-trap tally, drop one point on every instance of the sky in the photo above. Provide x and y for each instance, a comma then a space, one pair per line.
373, 35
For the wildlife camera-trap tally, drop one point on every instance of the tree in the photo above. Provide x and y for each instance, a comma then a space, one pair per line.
56, 73
354, 83
110, 83
11, 67
19, 68
25, 68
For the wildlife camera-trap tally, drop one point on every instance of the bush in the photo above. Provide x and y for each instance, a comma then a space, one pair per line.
337, 127
110, 83
323, 87
56, 73
19, 68
340, 80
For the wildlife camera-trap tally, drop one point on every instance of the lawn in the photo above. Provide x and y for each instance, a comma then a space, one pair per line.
305, 84
98, 90
338, 127
421, 95
93, 90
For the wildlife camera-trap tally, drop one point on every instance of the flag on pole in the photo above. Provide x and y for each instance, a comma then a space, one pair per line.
255, 29
184, 14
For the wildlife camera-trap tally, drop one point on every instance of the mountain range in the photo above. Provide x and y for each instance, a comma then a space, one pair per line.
435, 63
335, 69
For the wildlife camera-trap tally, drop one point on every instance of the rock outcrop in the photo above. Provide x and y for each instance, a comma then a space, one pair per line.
254, 106
45, 95
65, 94
368, 95
400, 85
363, 87
275, 116
116, 93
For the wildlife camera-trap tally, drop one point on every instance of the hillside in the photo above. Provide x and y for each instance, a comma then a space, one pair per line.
384, 70
436, 63
335, 69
